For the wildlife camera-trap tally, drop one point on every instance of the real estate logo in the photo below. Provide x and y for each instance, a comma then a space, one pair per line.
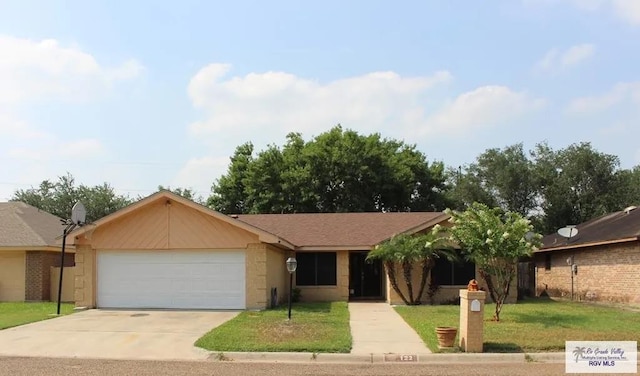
601, 357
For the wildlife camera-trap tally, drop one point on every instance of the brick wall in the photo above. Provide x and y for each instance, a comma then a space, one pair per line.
608, 273
38, 273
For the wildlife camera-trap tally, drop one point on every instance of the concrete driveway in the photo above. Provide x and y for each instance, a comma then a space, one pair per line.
115, 334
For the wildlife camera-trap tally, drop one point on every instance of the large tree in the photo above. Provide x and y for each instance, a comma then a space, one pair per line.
627, 183
59, 197
494, 241
499, 177
553, 188
228, 193
577, 183
337, 171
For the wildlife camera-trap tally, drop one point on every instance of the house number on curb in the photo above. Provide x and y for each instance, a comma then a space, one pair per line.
401, 358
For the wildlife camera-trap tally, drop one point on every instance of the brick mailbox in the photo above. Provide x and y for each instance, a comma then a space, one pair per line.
471, 320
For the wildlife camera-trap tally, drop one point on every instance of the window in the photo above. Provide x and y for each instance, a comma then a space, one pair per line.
547, 261
447, 273
316, 269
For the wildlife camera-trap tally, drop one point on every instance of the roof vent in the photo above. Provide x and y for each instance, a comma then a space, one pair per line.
234, 216
629, 209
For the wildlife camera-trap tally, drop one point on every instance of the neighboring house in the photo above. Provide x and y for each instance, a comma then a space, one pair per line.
28, 250
168, 252
606, 252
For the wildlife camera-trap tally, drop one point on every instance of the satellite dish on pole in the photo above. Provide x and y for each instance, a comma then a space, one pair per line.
568, 232
78, 213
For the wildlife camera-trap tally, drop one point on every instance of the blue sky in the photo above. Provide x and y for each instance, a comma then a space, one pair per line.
141, 93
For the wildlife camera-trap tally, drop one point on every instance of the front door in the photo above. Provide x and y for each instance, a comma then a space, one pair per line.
365, 277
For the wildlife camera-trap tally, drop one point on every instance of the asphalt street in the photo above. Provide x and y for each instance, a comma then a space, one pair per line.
90, 367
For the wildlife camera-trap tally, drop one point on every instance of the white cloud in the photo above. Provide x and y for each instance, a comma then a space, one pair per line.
197, 173
556, 58
577, 54
45, 69
277, 102
549, 60
625, 91
17, 129
282, 102
126, 71
483, 107
627, 10
42, 71
54, 149
264, 107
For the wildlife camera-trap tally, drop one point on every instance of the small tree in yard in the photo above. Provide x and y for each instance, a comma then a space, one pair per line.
494, 242
407, 250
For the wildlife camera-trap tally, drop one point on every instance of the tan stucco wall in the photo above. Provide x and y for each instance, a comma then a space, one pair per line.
445, 294
169, 226
605, 273
277, 274
416, 273
256, 276
12, 276
68, 287
85, 276
340, 292
166, 225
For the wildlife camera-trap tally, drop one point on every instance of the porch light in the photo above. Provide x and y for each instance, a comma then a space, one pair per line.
292, 265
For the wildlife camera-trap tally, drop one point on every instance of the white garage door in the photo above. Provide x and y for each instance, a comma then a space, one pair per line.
171, 279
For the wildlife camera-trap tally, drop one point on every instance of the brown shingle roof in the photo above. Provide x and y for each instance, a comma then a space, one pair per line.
23, 225
613, 227
340, 229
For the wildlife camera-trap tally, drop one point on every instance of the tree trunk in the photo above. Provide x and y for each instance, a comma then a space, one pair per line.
504, 293
391, 272
406, 270
427, 264
492, 293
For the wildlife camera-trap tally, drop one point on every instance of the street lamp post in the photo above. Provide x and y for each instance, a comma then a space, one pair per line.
292, 265
78, 217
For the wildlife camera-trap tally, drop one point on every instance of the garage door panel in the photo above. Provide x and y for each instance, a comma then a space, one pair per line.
171, 279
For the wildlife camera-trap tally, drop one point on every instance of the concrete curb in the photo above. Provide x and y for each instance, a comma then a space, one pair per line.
555, 357
452, 358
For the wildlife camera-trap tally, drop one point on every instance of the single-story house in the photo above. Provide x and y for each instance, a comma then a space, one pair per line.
28, 250
165, 251
606, 255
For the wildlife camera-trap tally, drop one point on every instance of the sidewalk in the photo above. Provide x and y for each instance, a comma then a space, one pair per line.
376, 328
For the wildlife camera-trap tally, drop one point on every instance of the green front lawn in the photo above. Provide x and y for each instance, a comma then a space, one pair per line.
531, 325
20, 313
314, 327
